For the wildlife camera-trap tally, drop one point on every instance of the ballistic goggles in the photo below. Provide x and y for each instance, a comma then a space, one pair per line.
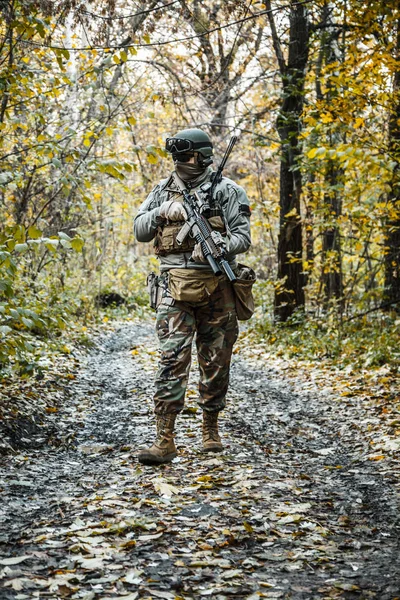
178, 145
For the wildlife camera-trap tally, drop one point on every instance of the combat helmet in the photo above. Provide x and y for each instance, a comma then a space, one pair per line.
188, 141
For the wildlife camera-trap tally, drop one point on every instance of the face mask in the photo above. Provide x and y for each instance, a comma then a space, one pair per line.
188, 172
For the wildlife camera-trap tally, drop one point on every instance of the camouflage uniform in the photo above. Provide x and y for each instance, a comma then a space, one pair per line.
214, 321
216, 325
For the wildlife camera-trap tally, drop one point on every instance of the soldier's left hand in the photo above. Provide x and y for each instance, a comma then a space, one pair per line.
197, 255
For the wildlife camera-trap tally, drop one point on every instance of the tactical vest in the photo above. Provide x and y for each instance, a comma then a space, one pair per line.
165, 238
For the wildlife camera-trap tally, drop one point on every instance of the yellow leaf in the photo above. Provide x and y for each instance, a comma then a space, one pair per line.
291, 213
86, 142
128, 544
34, 233
132, 121
146, 38
326, 118
359, 247
152, 159
77, 244
248, 527
116, 59
311, 153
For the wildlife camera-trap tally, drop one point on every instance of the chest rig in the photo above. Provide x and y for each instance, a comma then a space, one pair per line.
165, 239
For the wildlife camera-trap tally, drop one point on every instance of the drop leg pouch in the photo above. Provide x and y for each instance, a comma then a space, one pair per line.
244, 300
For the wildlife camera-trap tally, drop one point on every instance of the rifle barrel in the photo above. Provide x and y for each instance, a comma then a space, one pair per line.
218, 173
229, 149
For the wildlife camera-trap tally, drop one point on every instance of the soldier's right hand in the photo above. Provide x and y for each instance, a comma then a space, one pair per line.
173, 211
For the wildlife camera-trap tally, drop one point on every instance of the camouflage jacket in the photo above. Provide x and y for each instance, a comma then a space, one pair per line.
235, 211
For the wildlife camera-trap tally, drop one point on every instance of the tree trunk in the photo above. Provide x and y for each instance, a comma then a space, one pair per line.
392, 237
290, 294
331, 249
309, 228
8, 15
331, 276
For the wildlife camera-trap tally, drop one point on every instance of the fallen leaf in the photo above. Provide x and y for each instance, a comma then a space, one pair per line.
376, 457
231, 574
15, 584
325, 451
160, 594
128, 544
347, 587
289, 519
164, 488
133, 576
91, 563
14, 560
154, 536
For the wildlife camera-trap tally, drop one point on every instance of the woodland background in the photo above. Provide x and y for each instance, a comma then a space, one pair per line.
90, 90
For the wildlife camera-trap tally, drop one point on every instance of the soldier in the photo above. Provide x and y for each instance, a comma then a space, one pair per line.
194, 300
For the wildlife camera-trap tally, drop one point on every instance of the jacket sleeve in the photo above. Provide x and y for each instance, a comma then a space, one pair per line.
148, 218
237, 217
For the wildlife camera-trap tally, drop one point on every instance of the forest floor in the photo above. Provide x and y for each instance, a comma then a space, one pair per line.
302, 503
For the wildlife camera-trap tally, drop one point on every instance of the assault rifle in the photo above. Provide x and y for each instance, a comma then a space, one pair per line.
211, 244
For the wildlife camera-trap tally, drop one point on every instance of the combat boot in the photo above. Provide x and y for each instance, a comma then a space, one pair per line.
163, 450
211, 439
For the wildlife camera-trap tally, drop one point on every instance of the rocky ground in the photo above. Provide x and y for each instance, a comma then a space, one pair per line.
297, 506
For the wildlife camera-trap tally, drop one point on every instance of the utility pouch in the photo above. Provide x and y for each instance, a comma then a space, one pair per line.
155, 290
165, 241
245, 279
191, 285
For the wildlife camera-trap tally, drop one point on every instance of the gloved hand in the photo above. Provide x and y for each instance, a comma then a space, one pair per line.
197, 255
173, 211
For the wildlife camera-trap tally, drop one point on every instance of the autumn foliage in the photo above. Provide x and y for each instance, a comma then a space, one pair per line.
87, 97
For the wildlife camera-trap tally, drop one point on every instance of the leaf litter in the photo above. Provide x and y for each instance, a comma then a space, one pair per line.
295, 506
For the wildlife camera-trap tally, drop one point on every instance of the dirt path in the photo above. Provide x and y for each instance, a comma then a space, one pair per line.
291, 509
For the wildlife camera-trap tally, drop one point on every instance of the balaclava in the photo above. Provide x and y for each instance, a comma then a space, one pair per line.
193, 174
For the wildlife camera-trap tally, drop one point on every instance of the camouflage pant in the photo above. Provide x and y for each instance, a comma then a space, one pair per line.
216, 328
